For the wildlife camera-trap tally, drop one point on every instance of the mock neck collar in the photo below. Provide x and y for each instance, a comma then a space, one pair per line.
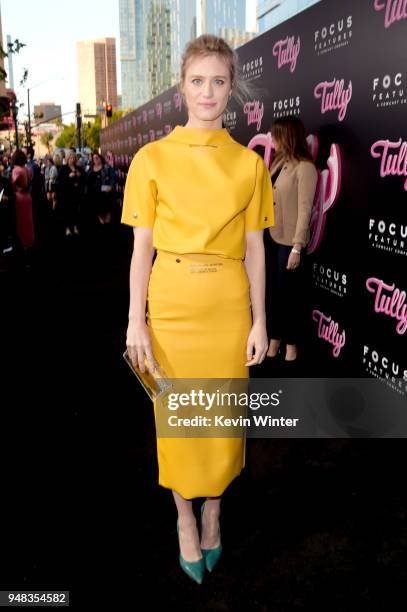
200, 136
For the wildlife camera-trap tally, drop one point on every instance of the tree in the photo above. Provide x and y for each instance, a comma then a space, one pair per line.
91, 131
117, 114
91, 134
67, 138
46, 140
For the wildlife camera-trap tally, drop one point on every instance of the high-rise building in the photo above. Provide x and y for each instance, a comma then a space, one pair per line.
236, 38
272, 12
97, 74
145, 49
183, 29
153, 35
216, 14
47, 111
158, 38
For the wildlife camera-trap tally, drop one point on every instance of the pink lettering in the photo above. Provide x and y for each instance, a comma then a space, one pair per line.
254, 113
178, 100
158, 109
334, 96
395, 10
392, 164
328, 188
263, 140
328, 331
287, 52
393, 304
326, 195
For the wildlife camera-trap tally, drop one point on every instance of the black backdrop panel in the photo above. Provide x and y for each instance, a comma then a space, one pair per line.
340, 67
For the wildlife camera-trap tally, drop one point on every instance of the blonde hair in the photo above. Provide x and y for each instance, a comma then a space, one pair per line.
209, 44
74, 157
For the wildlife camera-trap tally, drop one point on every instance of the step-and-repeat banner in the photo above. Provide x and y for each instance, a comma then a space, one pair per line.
341, 67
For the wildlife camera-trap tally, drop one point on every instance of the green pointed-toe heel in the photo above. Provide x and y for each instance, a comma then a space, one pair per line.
211, 555
194, 569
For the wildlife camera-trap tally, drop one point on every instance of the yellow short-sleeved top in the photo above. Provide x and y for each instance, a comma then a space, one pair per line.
200, 191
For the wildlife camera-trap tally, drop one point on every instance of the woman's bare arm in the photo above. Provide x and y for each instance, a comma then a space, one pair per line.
138, 337
255, 268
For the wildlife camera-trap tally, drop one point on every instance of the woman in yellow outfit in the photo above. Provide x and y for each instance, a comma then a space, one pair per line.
201, 200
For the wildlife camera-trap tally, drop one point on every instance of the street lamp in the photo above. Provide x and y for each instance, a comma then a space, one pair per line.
28, 103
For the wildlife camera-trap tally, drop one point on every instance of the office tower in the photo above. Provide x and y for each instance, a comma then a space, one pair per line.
153, 36
97, 74
145, 49
216, 14
183, 29
236, 38
272, 12
47, 111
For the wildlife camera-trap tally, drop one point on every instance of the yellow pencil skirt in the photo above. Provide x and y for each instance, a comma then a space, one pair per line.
199, 318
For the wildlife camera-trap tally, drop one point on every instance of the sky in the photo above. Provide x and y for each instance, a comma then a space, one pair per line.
50, 31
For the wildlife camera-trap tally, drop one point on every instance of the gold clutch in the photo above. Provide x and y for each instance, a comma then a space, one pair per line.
155, 383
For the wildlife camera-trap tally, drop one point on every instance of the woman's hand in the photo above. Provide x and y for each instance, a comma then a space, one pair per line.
293, 261
257, 344
139, 346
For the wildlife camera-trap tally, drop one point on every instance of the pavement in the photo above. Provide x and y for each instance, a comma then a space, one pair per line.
309, 525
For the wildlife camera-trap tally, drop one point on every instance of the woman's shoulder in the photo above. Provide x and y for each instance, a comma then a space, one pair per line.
250, 158
306, 164
142, 153
306, 167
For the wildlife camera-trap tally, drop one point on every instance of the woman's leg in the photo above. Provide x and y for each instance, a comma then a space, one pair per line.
76, 210
276, 277
188, 532
107, 218
293, 300
54, 200
210, 535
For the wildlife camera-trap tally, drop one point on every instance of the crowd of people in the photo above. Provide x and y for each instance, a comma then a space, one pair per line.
78, 192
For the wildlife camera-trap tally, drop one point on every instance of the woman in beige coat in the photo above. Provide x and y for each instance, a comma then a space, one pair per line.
294, 179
